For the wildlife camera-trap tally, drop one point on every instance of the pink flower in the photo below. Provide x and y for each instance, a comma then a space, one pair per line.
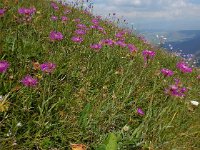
198, 77
120, 43
3, 66
148, 55
176, 89
26, 11
54, 18
77, 39
48, 67
54, 6
108, 42
183, 67
2, 11
81, 26
29, 81
96, 47
64, 18
140, 111
131, 48
80, 32
167, 72
55, 36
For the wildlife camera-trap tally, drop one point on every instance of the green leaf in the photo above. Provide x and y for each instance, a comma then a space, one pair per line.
111, 142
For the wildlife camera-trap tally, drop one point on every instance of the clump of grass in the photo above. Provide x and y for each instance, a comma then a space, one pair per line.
67, 77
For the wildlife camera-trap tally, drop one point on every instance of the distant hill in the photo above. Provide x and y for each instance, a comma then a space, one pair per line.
189, 43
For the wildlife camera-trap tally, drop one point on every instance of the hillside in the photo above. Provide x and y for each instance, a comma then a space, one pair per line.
71, 80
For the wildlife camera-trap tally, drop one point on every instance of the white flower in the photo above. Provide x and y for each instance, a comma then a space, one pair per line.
19, 124
126, 128
194, 103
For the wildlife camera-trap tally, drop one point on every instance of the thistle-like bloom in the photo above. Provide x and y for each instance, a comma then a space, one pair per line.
48, 67
176, 89
167, 72
55, 36
2, 11
54, 18
148, 55
29, 81
80, 32
120, 43
96, 47
26, 11
77, 39
108, 42
140, 111
131, 48
81, 26
64, 18
3, 66
54, 6
183, 67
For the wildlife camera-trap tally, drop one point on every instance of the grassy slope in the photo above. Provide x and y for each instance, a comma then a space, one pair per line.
89, 94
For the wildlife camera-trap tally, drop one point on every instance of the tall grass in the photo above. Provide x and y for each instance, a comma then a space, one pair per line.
92, 96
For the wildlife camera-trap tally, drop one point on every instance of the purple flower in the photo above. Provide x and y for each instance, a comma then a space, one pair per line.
54, 18
64, 18
77, 39
4, 66
2, 11
176, 89
183, 67
131, 48
96, 47
140, 111
81, 26
26, 11
55, 36
48, 67
95, 22
148, 55
108, 42
29, 81
167, 72
54, 6
80, 32
121, 43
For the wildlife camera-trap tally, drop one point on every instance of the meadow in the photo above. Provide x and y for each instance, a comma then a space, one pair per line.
72, 80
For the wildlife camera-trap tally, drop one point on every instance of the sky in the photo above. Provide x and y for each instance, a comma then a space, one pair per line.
153, 14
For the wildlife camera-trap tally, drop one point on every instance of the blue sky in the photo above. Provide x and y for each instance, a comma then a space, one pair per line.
153, 14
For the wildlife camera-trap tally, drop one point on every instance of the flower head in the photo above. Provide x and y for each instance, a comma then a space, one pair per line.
54, 18
108, 42
140, 111
96, 47
80, 32
194, 103
26, 11
131, 48
48, 67
77, 39
29, 81
55, 36
121, 43
167, 72
148, 55
3, 66
64, 18
183, 67
54, 6
2, 11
